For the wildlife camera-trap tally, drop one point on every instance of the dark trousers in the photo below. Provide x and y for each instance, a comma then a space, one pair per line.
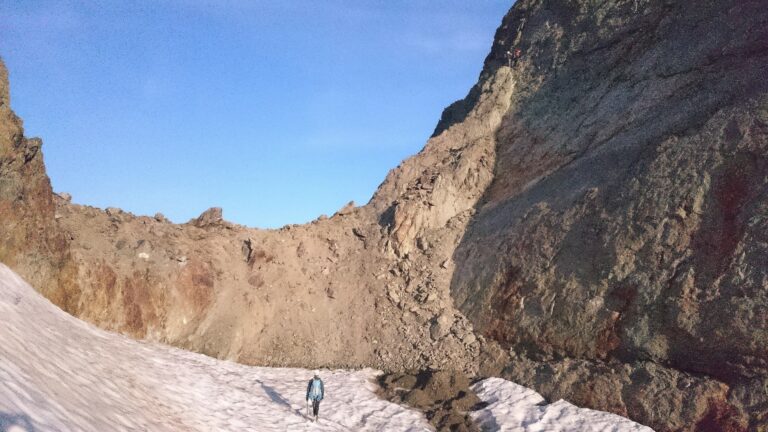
315, 407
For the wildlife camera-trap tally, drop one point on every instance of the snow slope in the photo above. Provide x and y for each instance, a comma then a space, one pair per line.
58, 373
514, 408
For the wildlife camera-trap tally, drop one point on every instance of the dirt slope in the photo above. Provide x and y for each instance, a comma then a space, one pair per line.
367, 286
597, 213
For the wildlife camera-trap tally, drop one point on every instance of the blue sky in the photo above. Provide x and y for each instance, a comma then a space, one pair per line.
277, 111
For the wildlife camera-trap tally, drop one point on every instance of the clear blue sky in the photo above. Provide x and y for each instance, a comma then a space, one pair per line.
277, 111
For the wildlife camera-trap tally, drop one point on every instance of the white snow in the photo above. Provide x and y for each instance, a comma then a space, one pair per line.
58, 373
514, 408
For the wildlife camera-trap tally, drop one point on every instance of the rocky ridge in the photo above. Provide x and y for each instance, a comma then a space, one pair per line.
588, 223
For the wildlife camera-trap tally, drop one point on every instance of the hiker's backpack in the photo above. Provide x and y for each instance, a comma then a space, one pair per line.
316, 391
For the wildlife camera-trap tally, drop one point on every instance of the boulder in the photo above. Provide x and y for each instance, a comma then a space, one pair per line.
441, 326
212, 216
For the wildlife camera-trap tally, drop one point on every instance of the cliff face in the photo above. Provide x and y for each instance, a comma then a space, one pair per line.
29, 239
590, 223
627, 215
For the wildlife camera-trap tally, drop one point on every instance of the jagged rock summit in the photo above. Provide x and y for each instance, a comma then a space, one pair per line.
589, 223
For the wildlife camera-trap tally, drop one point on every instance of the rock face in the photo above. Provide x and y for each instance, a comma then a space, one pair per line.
30, 241
444, 396
589, 223
212, 216
627, 216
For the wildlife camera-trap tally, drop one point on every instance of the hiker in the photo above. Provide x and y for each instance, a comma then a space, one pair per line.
513, 57
315, 392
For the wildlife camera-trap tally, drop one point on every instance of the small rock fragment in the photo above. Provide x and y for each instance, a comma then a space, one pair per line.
422, 244
347, 209
247, 249
393, 295
441, 326
469, 339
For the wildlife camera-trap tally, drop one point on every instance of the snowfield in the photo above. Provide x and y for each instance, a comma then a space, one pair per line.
514, 408
58, 373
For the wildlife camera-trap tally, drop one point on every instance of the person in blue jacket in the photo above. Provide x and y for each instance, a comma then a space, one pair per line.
315, 392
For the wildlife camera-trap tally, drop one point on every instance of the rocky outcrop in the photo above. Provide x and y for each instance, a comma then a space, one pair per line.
29, 239
212, 216
589, 223
623, 230
444, 396
448, 177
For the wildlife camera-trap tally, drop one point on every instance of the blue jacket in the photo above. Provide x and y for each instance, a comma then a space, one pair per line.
316, 391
